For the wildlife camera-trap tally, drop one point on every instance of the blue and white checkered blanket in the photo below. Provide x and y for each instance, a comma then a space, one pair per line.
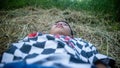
52, 50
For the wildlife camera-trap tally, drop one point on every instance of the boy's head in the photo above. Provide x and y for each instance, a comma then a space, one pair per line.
62, 28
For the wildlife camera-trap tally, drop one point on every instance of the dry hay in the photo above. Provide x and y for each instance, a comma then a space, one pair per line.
16, 24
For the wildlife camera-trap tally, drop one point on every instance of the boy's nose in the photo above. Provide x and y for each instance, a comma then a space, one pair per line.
59, 23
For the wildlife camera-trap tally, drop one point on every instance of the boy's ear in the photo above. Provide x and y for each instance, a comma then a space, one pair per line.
106, 62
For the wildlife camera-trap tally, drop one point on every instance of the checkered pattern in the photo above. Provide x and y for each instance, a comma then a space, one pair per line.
47, 49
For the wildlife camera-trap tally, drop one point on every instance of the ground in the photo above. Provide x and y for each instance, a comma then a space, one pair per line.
16, 24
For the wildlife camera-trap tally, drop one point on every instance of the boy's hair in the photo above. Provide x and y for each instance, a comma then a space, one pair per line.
68, 25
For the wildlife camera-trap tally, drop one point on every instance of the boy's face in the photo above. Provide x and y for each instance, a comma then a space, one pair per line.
61, 28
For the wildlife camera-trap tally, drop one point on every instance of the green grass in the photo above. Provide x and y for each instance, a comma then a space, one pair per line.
96, 6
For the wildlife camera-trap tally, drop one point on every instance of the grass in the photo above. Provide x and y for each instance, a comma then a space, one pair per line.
97, 6
16, 24
107, 6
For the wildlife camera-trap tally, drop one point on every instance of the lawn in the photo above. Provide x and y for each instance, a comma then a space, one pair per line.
100, 28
